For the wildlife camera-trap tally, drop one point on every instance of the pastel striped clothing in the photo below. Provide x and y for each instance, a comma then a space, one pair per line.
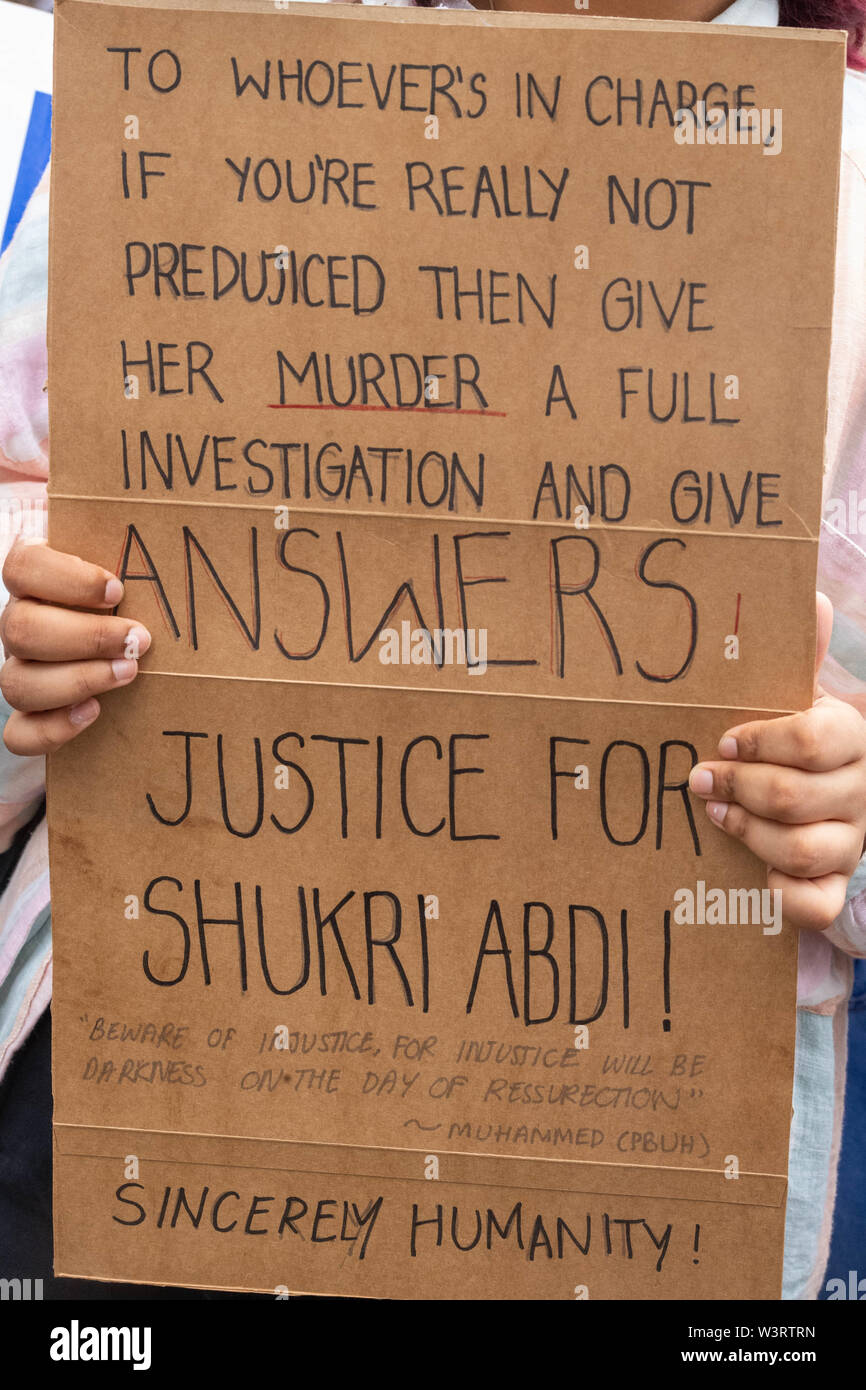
25, 920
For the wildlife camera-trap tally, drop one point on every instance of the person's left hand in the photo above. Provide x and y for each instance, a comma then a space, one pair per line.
794, 790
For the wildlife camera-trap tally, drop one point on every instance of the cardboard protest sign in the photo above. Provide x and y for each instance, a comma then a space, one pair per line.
453, 412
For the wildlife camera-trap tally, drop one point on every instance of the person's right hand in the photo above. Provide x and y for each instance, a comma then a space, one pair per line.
58, 656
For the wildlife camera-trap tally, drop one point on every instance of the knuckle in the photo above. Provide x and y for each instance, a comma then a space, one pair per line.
784, 797
16, 735
9, 738
100, 632
16, 626
737, 822
726, 783
85, 680
10, 681
747, 742
85, 584
15, 568
89, 679
803, 854
807, 742
50, 734
78, 689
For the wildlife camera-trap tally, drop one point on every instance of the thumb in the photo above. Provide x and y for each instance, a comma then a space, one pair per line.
824, 632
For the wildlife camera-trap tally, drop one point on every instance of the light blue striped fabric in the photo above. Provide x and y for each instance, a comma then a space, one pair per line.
809, 1151
29, 962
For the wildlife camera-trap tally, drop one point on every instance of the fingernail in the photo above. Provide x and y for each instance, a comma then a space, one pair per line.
701, 780
123, 669
113, 592
717, 810
137, 641
728, 747
85, 713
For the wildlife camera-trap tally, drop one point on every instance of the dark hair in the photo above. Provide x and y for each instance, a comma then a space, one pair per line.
814, 14
830, 14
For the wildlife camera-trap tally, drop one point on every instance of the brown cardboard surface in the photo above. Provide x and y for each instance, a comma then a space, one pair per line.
356, 1223
342, 924
566, 613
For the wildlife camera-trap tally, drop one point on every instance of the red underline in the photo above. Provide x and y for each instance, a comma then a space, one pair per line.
393, 409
